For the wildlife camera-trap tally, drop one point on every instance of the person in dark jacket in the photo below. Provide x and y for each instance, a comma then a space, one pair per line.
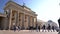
53, 28
39, 28
14, 28
59, 22
49, 27
43, 27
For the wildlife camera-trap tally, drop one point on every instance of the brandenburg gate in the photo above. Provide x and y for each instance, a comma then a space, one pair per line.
19, 15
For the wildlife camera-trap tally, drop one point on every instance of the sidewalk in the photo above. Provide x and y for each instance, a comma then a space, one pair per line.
24, 32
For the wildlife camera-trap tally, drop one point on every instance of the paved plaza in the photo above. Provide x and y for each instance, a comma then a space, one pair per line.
26, 32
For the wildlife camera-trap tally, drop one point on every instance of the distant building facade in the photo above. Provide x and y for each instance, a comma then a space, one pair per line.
49, 22
15, 14
52, 24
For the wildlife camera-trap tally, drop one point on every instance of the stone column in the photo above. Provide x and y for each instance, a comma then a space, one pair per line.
10, 19
23, 20
35, 21
27, 21
30, 20
18, 19
15, 18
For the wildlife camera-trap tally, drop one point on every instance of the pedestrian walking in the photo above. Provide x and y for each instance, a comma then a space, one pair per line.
49, 27
14, 28
53, 28
18, 28
39, 28
43, 27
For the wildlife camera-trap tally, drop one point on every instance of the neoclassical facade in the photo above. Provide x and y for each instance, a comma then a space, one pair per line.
18, 15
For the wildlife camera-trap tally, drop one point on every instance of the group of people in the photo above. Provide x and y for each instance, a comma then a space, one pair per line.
16, 28
48, 28
37, 28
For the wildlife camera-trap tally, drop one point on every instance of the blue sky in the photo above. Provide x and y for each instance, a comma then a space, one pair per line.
46, 9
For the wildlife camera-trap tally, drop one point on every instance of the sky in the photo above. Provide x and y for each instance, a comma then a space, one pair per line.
46, 9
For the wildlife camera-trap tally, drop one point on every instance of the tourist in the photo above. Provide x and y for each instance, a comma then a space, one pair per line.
49, 27
18, 28
14, 28
39, 28
53, 28
43, 27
